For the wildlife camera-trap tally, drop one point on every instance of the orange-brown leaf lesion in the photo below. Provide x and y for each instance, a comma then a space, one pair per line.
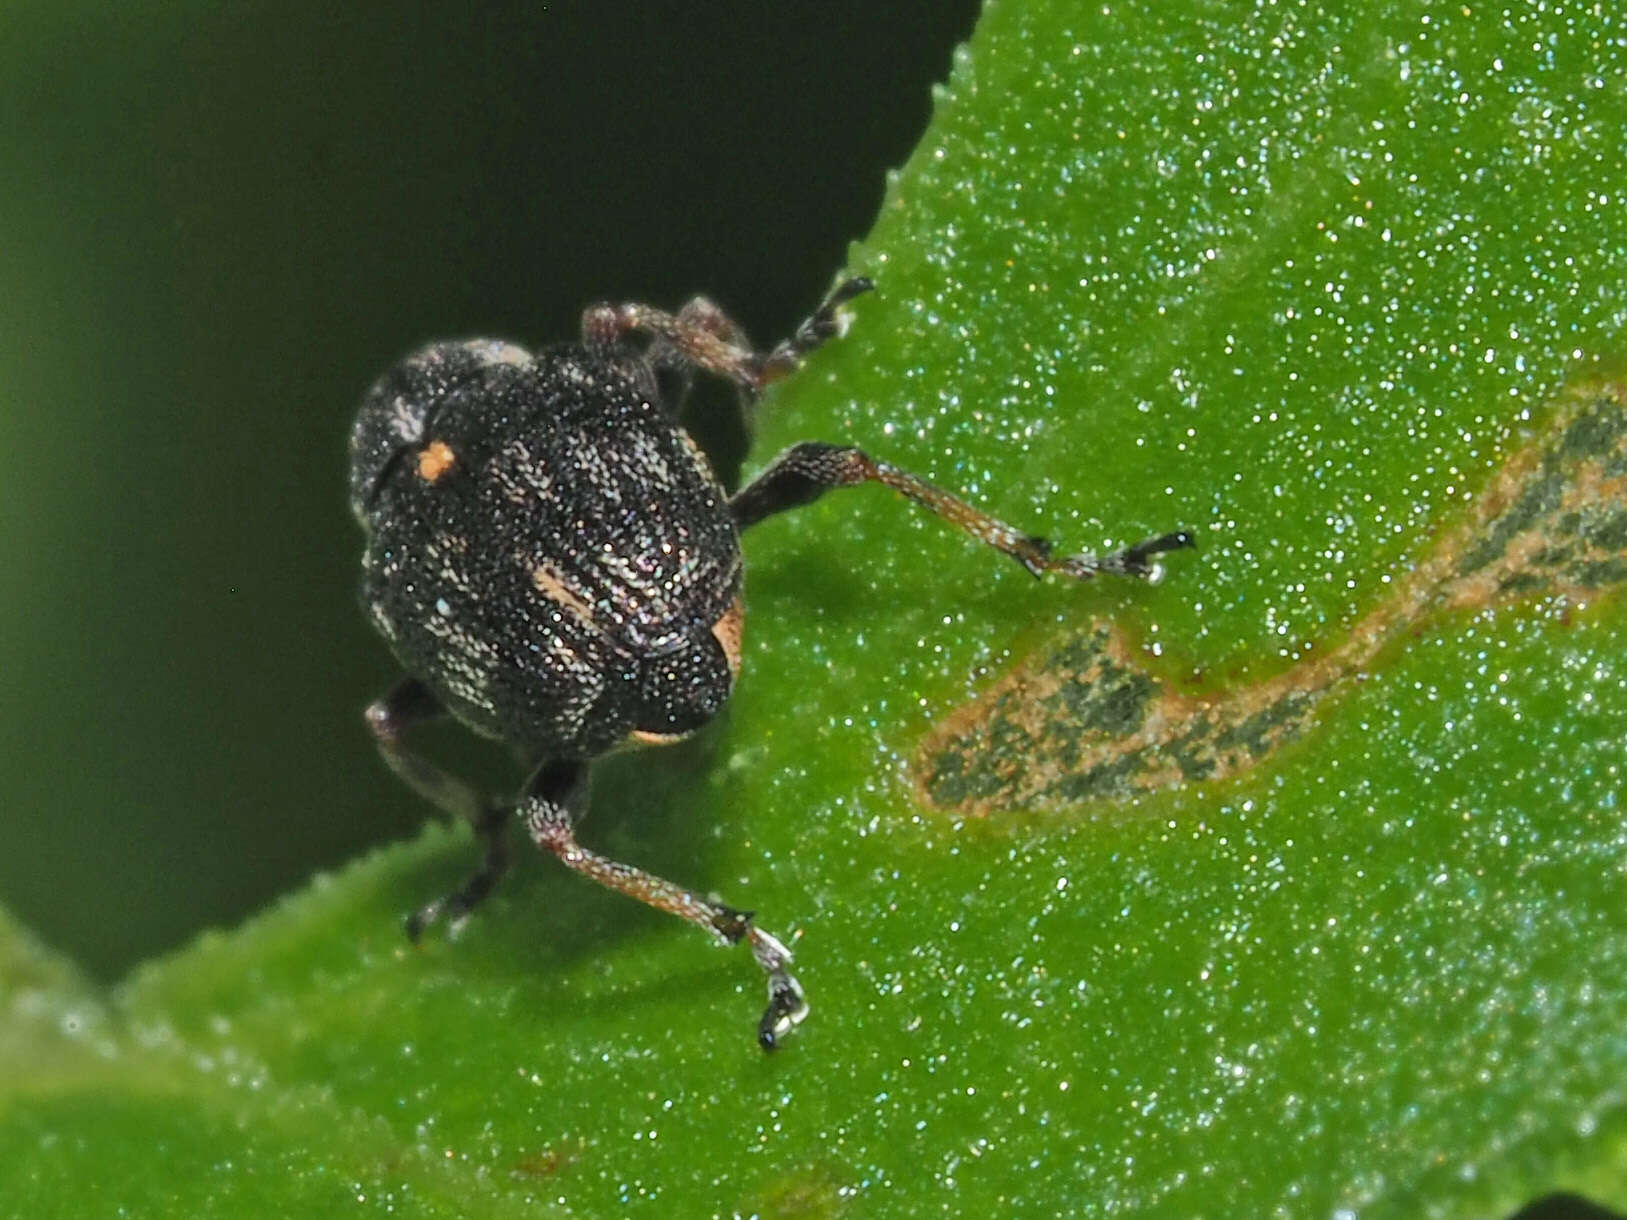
1083, 720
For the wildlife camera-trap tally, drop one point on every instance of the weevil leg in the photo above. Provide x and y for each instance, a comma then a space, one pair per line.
699, 316
704, 336
724, 435
410, 703
804, 472
549, 805
674, 370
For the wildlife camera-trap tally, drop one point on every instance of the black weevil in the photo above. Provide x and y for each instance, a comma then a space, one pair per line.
554, 563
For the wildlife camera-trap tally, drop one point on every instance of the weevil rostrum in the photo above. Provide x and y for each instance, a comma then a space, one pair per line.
554, 563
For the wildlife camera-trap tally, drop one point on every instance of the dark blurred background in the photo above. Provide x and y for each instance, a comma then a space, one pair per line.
217, 224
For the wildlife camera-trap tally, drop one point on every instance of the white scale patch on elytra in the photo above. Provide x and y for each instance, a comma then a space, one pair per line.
520, 476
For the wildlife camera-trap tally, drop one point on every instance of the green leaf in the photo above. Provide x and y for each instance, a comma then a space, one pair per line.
1293, 884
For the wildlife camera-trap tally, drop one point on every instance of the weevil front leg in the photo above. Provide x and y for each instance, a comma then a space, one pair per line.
704, 336
807, 471
553, 798
410, 703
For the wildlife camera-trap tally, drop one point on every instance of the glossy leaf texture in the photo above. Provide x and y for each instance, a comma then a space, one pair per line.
1294, 884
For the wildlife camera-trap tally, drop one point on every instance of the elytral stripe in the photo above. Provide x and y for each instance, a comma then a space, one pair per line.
550, 582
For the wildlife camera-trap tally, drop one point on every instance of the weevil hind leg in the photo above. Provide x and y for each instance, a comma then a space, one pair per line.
411, 703
675, 370
554, 796
705, 337
720, 416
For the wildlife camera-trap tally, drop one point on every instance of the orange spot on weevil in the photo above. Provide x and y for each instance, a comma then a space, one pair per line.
727, 631
434, 460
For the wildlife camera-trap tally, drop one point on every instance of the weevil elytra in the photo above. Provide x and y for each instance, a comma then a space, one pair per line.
554, 563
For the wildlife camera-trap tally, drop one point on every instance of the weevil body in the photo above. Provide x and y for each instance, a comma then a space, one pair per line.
554, 563
546, 550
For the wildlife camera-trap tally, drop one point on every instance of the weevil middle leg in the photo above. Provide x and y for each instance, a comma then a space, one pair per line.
807, 471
